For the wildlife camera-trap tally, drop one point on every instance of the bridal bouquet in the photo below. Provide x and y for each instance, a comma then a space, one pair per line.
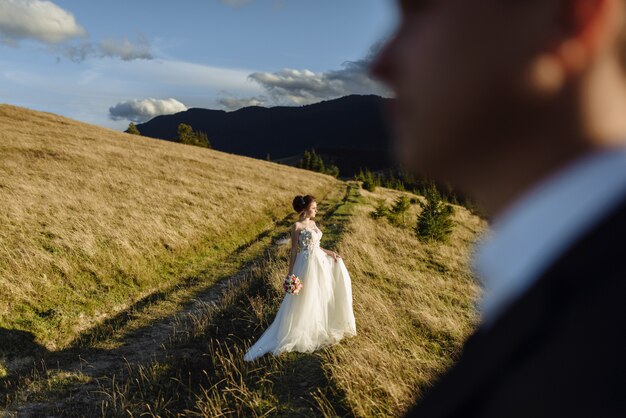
292, 284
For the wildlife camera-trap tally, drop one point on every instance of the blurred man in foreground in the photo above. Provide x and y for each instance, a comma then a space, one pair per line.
522, 105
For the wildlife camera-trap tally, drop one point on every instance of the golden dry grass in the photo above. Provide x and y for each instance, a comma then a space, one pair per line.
414, 306
92, 219
205, 374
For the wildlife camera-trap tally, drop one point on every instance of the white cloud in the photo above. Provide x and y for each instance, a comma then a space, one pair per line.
299, 87
125, 49
142, 110
233, 103
108, 48
87, 92
44, 22
37, 20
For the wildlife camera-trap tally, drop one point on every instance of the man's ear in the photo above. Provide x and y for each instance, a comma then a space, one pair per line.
585, 26
583, 19
584, 30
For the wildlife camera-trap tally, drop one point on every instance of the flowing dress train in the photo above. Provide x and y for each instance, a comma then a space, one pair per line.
320, 314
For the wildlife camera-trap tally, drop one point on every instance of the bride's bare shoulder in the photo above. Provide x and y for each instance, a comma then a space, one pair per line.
295, 231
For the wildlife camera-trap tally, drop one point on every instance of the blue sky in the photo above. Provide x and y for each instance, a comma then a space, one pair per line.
110, 62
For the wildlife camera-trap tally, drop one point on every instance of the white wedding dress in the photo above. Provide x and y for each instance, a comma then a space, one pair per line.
320, 314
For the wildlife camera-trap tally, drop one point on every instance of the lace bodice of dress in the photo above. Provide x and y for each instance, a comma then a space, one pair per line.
309, 239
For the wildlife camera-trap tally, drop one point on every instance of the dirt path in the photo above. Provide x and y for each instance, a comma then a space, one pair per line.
146, 344
62, 381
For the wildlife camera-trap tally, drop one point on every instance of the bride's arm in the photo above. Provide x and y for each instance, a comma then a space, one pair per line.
331, 253
328, 252
294, 248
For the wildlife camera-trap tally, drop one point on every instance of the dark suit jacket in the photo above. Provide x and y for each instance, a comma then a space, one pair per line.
558, 351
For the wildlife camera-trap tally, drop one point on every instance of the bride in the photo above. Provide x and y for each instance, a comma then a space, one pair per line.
321, 313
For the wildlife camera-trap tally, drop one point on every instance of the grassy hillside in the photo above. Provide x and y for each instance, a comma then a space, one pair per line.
414, 306
142, 270
92, 220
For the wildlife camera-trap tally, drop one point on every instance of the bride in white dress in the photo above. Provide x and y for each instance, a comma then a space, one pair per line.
321, 313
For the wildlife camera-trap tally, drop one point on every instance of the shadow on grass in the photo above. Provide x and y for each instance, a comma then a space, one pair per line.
15, 343
104, 330
287, 385
337, 216
283, 386
25, 358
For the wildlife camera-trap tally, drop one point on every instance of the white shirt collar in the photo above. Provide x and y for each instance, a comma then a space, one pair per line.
542, 224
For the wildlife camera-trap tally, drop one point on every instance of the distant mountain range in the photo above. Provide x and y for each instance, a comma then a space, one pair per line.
350, 132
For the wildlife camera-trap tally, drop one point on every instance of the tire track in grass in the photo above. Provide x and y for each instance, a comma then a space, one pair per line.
204, 373
70, 382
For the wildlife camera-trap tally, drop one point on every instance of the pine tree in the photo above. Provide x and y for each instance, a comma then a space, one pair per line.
315, 162
369, 183
185, 133
321, 167
381, 210
333, 170
132, 129
360, 176
435, 222
305, 162
399, 208
201, 139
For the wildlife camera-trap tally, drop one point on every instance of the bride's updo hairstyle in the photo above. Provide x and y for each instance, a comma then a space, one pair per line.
301, 203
